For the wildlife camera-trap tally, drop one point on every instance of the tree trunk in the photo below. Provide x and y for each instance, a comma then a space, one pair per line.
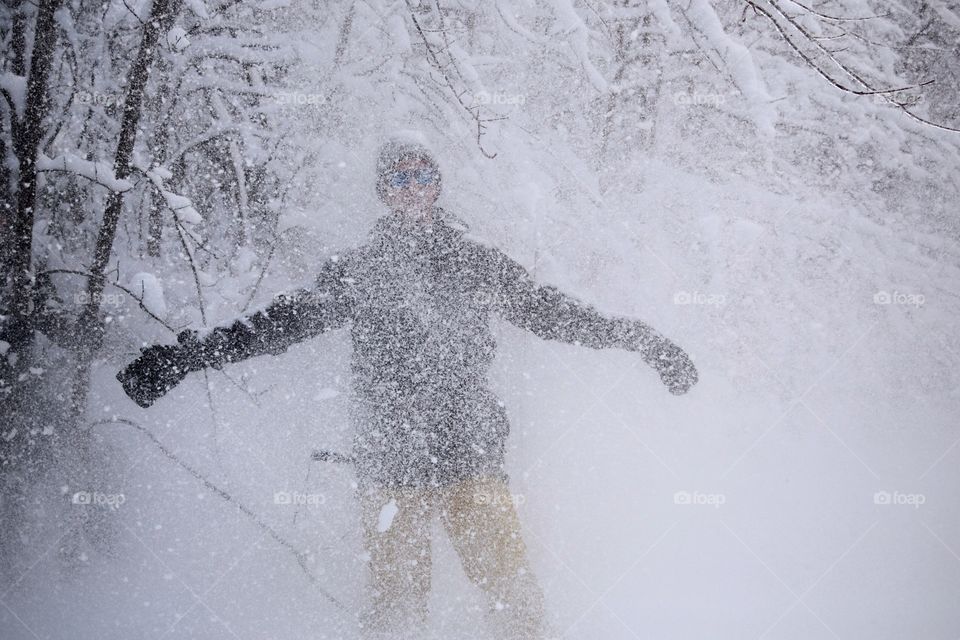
89, 324
164, 100
18, 232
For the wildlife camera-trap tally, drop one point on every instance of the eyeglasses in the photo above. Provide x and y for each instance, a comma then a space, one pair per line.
423, 177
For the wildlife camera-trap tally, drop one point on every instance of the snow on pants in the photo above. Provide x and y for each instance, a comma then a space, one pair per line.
480, 518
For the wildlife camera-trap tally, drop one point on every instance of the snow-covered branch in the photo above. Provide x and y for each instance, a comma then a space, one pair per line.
181, 206
98, 172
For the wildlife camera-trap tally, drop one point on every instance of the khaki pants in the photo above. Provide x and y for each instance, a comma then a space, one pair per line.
480, 518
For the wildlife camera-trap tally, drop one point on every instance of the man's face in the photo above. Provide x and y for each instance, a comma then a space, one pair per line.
412, 187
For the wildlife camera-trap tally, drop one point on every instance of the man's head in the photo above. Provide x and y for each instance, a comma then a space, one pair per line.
408, 178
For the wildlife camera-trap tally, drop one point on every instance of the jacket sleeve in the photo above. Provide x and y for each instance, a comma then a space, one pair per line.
290, 319
554, 315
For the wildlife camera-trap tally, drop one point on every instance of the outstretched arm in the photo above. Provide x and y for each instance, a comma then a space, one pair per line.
554, 315
289, 319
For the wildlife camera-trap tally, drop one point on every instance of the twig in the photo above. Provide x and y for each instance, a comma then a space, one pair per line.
457, 95
245, 510
868, 89
837, 18
263, 272
222, 8
133, 13
193, 267
118, 286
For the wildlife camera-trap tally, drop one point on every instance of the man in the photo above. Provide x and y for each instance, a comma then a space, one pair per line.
430, 434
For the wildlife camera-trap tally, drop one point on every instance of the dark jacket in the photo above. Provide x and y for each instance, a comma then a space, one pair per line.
418, 300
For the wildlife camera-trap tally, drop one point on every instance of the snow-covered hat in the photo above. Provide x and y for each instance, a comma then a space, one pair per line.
403, 145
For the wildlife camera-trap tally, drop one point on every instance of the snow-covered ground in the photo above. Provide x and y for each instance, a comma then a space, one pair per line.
808, 486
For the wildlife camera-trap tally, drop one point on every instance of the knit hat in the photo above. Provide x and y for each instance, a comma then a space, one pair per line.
404, 145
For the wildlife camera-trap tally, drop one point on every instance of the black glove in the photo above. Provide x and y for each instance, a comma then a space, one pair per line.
675, 367
161, 367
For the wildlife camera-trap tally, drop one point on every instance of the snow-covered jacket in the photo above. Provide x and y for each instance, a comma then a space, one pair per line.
418, 299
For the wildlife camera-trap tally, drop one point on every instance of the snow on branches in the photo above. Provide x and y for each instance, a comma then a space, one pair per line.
98, 172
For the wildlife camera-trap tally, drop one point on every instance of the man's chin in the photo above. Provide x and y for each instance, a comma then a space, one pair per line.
416, 211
